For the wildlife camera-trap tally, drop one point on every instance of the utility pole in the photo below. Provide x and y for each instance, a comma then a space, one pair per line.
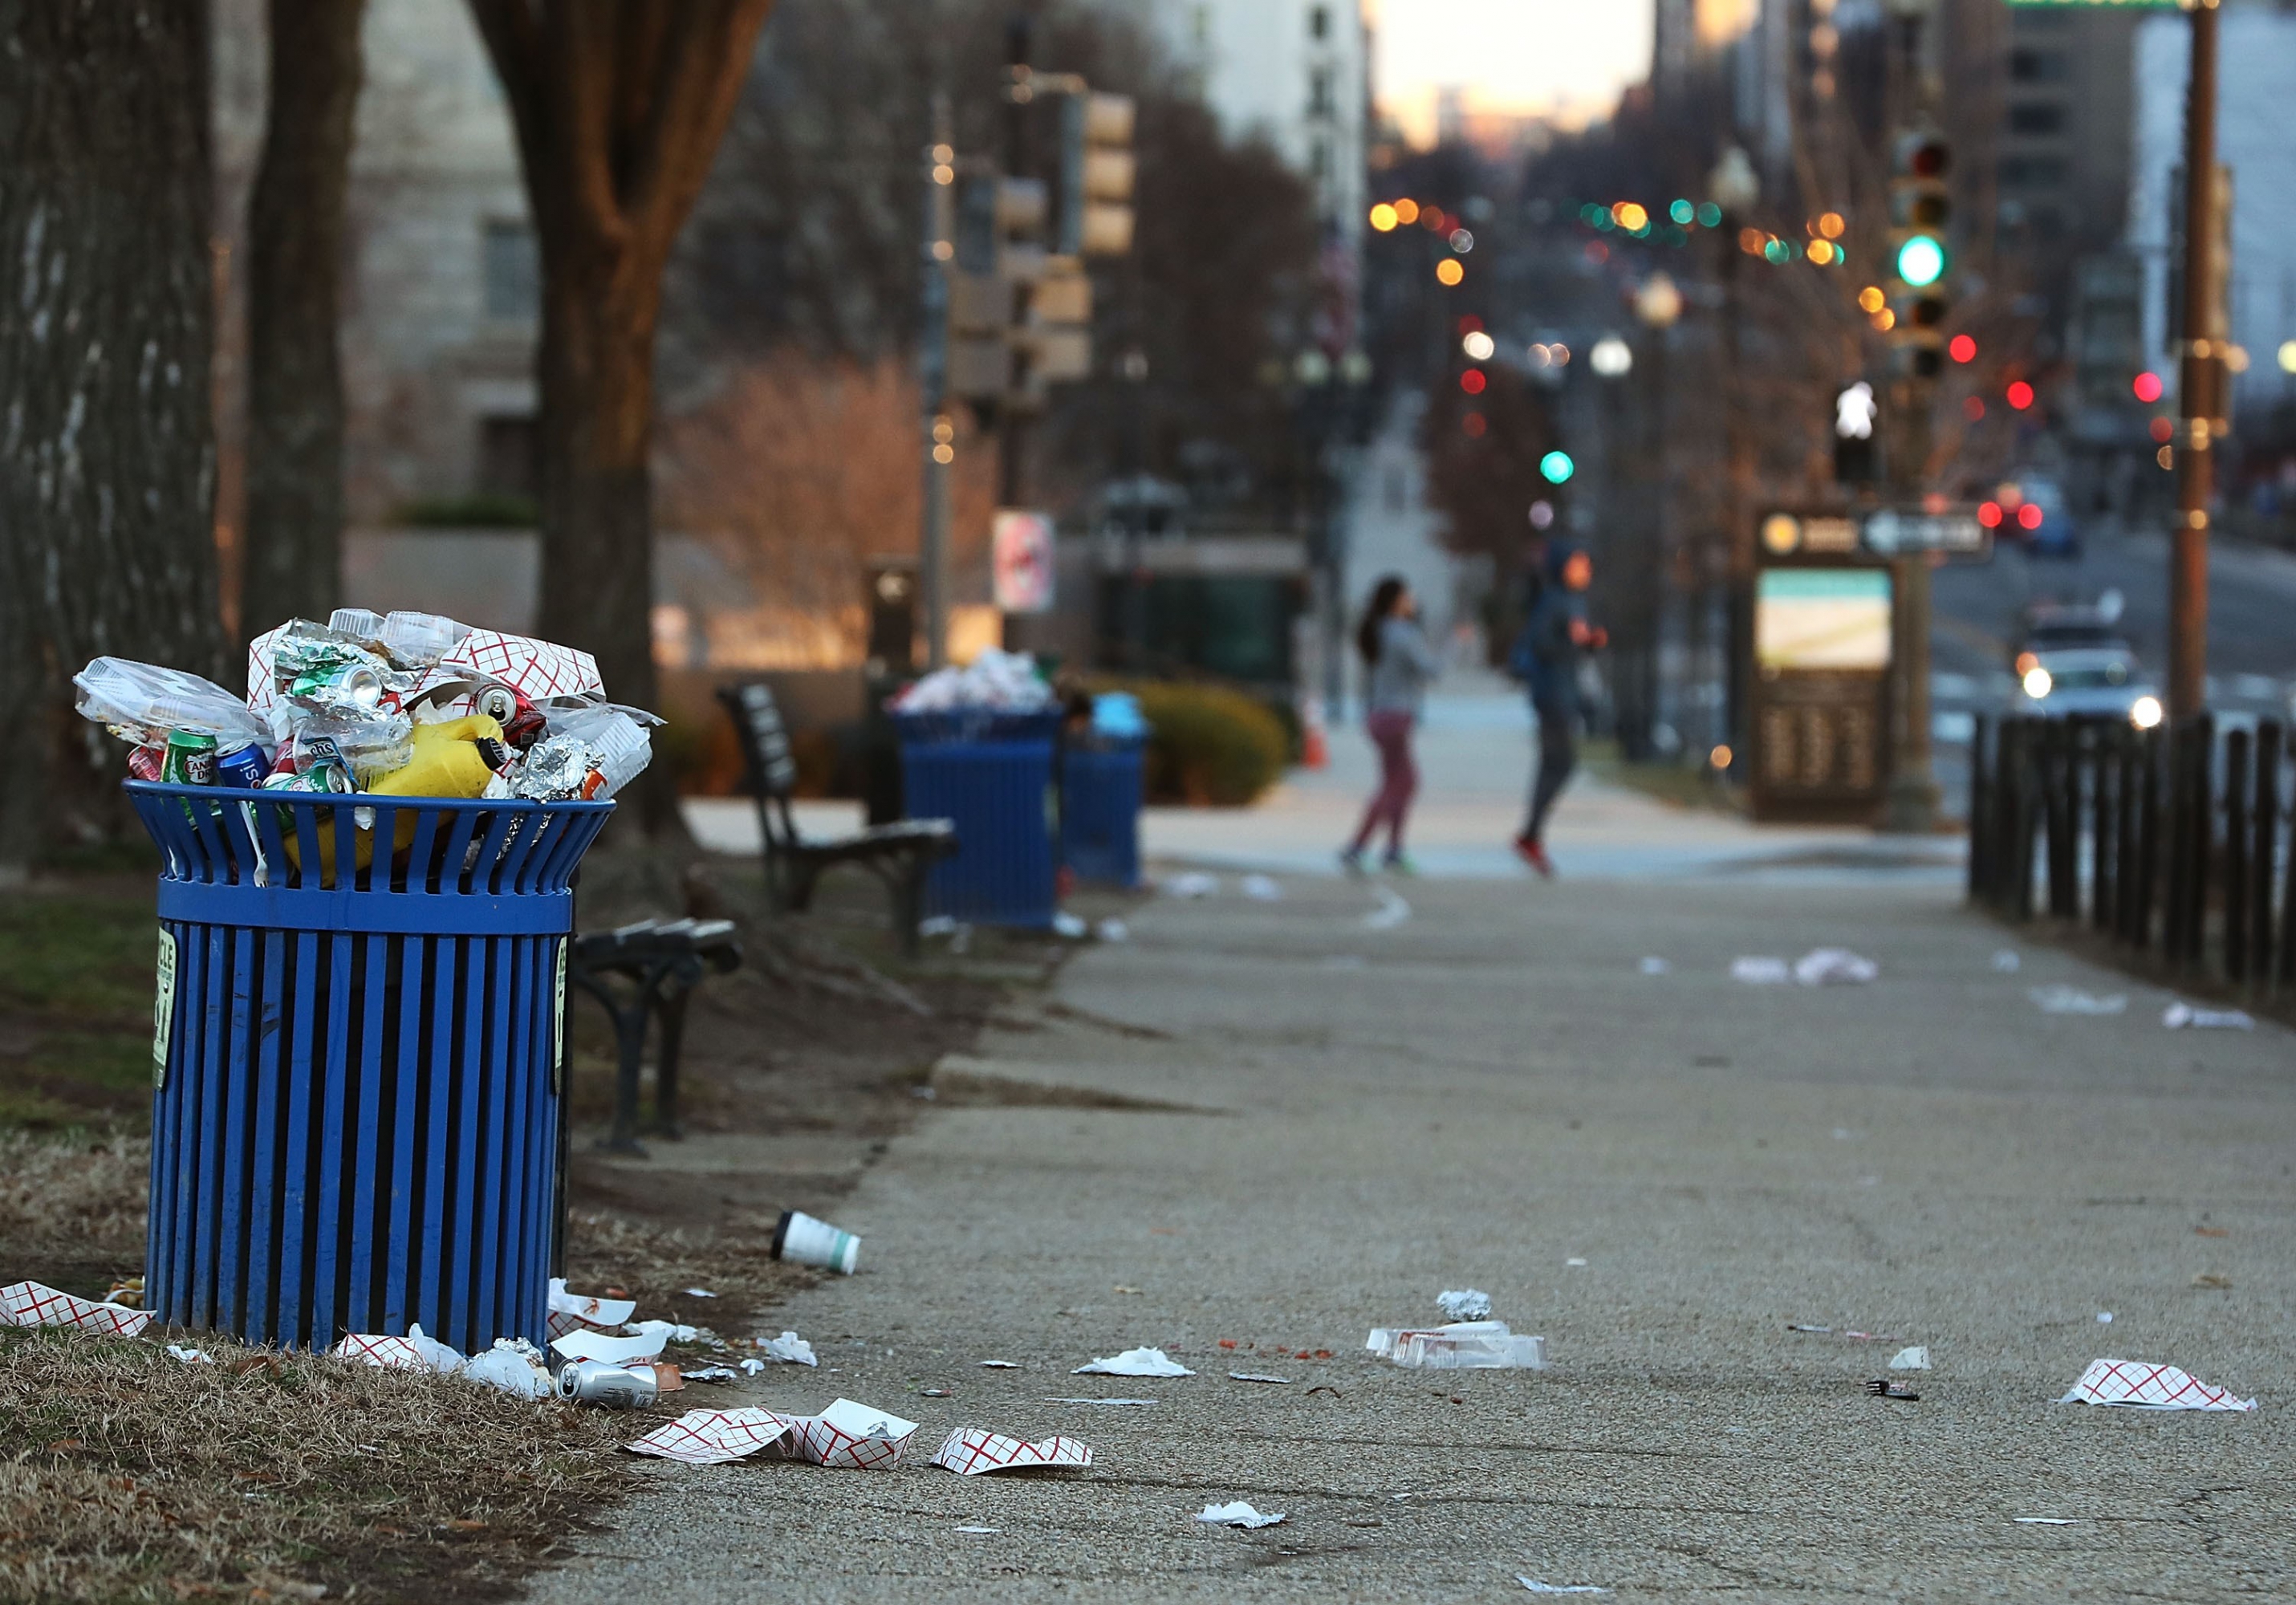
937, 431
1011, 420
2203, 378
1912, 799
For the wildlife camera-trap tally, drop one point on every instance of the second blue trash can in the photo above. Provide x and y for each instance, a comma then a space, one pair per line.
992, 773
1100, 783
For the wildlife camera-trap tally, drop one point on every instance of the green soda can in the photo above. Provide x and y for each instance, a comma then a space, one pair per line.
191, 759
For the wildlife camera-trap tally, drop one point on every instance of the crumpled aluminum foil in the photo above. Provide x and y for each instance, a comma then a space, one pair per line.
558, 768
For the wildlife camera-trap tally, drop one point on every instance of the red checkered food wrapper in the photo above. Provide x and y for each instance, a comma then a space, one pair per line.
854, 1437
2135, 1384
971, 1451
413, 1352
542, 669
32, 1304
582, 1312
710, 1438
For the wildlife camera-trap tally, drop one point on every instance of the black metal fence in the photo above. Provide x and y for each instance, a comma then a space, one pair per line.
2166, 841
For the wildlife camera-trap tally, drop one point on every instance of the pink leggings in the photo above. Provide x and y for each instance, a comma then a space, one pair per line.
1389, 730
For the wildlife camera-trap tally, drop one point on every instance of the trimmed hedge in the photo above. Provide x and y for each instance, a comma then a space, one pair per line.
1208, 746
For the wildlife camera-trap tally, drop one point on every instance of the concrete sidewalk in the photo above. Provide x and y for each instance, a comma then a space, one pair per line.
1475, 754
1335, 1122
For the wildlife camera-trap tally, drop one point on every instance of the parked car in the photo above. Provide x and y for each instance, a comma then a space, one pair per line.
2032, 509
2086, 681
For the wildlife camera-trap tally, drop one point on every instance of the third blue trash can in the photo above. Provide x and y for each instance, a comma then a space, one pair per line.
1101, 784
991, 772
358, 1061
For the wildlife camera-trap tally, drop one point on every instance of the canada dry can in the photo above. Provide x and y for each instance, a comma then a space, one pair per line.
191, 759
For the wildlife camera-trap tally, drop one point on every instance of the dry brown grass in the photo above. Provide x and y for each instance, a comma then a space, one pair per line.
71, 1210
127, 1475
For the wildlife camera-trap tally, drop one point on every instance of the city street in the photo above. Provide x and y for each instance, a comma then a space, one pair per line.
1659, 1174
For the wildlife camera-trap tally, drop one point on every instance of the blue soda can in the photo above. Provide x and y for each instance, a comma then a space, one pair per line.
245, 768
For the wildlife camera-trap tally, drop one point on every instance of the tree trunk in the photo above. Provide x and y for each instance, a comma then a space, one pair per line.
294, 268
596, 481
107, 456
620, 106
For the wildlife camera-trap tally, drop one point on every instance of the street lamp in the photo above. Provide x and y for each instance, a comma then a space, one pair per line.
1612, 357
1736, 189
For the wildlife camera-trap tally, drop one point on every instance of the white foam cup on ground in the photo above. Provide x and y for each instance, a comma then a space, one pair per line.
804, 1240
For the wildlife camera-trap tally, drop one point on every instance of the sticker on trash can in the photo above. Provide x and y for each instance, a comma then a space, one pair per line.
163, 1008
558, 1025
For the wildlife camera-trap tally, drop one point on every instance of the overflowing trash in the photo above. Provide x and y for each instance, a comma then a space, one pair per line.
36, 1304
1237, 1513
1005, 682
975, 1451
2180, 1015
1135, 1363
802, 1241
402, 704
1461, 1346
2134, 1385
2072, 999
1464, 1304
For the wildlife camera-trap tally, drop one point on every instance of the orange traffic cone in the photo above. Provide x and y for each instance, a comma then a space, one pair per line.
1315, 745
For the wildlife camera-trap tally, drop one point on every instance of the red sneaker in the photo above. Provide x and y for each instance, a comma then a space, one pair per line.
1534, 854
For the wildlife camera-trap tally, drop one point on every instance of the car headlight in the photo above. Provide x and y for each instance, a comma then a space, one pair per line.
2037, 682
2145, 712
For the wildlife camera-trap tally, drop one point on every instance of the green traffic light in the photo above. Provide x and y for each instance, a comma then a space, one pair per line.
1555, 467
1921, 261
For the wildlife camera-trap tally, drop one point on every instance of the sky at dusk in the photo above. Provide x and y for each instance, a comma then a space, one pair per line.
1564, 58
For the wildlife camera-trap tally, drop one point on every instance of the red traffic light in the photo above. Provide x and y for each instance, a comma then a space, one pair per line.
2021, 395
2147, 386
1964, 348
1472, 381
1988, 513
2028, 516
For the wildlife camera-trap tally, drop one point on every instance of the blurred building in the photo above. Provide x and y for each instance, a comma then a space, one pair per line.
1295, 72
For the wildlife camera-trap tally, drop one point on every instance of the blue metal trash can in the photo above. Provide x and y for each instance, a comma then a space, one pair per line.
992, 773
1100, 811
358, 1061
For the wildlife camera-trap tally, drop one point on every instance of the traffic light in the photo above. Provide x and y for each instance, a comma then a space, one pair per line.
1856, 460
1921, 253
1000, 259
1556, 467
1097, 172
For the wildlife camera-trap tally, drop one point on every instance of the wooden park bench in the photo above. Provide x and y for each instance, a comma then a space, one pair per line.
662, 961
900, 854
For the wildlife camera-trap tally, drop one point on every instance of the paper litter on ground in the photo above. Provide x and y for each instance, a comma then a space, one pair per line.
1760, 971
975, 1451
711, 1374
1655, 966
1536, 1586
1262, 889
1913, 1358
1239, 1514
604, 1312
852, 1437
1833, 967
981, 1529
1392, 910
2180, 1014
2006, 961
1111, 930
1134, 1404
36, 1304
1071, 926
790, 1350
413, 1352
700, 1293
585, 1344
667, 1332
191, 1357
1253, 1376
709, 1437
1135, 1363
2044, 1521
1463, 1304
2138, 1385
1192, 883
998, 1364
2072, 999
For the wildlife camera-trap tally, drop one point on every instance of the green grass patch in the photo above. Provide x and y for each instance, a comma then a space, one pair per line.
76, 980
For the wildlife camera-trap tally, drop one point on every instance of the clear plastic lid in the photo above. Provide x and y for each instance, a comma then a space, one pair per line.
141, 703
